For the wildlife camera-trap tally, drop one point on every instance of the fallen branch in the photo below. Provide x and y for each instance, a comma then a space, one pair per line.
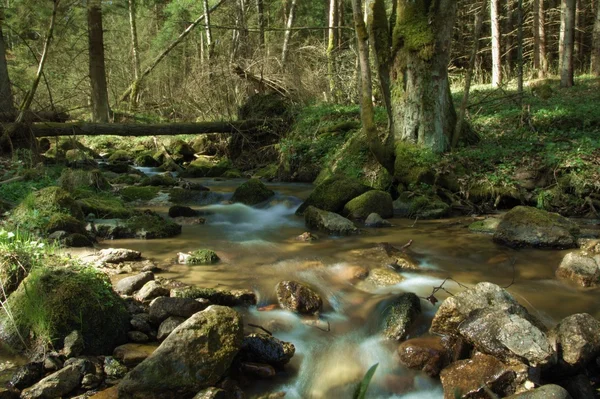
260, 327
13, 179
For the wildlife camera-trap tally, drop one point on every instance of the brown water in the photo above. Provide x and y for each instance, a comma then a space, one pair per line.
258, 250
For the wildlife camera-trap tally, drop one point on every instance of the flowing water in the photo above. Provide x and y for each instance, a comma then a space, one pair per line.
258, 249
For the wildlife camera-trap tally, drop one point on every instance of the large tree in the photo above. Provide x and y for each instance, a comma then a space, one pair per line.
567, 42
100, 108
496, 33
6, 97
596, 43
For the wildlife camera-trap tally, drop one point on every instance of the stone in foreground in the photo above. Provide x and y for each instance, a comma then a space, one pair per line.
298, 297
329, 222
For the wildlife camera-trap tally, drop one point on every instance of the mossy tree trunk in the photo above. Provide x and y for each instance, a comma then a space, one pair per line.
332, 42
422, 108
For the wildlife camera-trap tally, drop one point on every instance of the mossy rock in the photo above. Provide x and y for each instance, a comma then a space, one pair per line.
420, 206
374, 201
252, 192
105, 207
524, 226
181, 151
15, 264
146, 161
119, 156
139, 193
232, 174
182, 211
128, 179
414, 164
37, 208
400, 315
268, 172
78, 241
203, 257
79, 157
487, 225
203, 167
163, 180
63, 222
333, 194
194, 197
151, 225
53, 302
116, 167
71, 179
328, 222
265, 106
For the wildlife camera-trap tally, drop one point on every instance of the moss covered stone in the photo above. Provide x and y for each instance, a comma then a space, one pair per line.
487, 225
150, 225
421, 206
72, 179
139, 193
400, 315
268, 172
374, 201
333, 194
119, 156
105, 207
205, 167
252, 192
147, 161
164, 179
232, 174
53, 302
202, 257
63, 222
78, 241
414, 164
181, 151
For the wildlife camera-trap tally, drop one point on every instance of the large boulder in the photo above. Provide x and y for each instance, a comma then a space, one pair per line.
580, 268
524, 226
298, 297
578, 337
473, 377
329, 222
252, 192
194, 356
400, 315
117, 255
333, 194
375, 201
129, 285
65, 300
432, 354
149, 225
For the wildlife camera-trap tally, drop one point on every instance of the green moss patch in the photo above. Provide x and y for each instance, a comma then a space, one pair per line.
151, 225
203, 257
333, 194
165, 180
374, 201
203, 167
105, 207
139, 193
252, 192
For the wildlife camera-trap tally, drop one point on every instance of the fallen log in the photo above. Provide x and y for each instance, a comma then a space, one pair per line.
35, 116
51, 129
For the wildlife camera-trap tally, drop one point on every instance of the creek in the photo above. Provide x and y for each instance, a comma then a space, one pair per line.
258, 249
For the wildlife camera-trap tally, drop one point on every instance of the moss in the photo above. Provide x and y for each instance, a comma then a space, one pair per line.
146, 160
265, 106
414, 164
375, 201
71, 179
412, 30
62, 222
151, 225
106, 206
181, 151
128, 179
78, 241
52, 302
232, 174
252, 192
75, 156
119, 156
333, 194
203, 257
159, 180
488, 225
194, 292
203, 167
421, 206
139, 193
268, 172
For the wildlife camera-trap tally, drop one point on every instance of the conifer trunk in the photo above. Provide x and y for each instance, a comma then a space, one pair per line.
99, 95
496, 34
596, 43
567, 43
6, 96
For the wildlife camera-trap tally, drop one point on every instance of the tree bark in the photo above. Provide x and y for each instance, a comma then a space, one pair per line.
260, 12
496, 33
209, 40
50, 129
332, 42
543, 55
596, 43
6, 96
166, 52
469, 75
520, 49
536, 35
135, 49
568, 42
422, 106
100, 108
288, 33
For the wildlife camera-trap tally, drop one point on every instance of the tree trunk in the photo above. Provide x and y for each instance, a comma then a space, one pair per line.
209, 40
465, 100
288, 34
166, 52
421, 102
520, 49
567, 43
6, 96
508, 35
100, 109
381, 150
332, 42
543, 55
135, 48
579, 32
596, 43
260, 12
496, 33
536, 35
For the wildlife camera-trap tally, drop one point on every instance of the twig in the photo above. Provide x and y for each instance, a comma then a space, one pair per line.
432, 299
405, 246
260, 327
415, 222
513, 261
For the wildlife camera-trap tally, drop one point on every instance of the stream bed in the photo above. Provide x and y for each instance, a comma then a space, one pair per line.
258, 249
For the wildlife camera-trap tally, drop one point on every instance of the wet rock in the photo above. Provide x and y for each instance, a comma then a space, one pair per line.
549, 391
383, 277
59, 383
175, 369
580, 268
212, 393
252, 192
374, 201
263, 348
53, 362
189, 221
257, 370
198, 257
113, 369
182, 211
129, 285
150, 225
298, 297
487, 225
504, 335
77, 240
163, 307
117, 255
328, 222
217, 297
133, 354
375, 220
307, 237
400, 315
465, 378
455, 309
152, 289
422, 207
577, 340
73, 344
432, 354
525, 226
167, 327
91, 381
138, 337
333, 194
27, 375
141, 322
